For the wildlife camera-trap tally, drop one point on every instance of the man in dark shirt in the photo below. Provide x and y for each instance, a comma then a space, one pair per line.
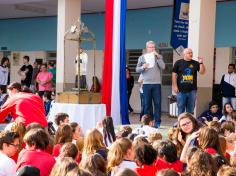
184, 80
25, 72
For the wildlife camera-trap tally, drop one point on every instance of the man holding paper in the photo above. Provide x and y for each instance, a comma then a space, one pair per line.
150, 66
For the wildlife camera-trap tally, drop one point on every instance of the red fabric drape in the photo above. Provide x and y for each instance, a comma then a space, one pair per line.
107, 67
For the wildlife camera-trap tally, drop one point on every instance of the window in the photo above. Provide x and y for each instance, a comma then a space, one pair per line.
132, 60
168, 59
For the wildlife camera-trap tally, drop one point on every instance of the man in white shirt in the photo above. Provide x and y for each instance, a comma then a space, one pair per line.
9, 144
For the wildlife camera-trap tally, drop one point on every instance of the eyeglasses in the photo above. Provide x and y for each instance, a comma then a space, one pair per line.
15, 145
186, 124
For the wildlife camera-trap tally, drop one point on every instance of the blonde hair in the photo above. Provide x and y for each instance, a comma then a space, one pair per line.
93, 141
117, 152
233, 160
19, 128
226, 171
154, 137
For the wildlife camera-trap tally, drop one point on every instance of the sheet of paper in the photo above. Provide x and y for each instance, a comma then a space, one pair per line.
150, 59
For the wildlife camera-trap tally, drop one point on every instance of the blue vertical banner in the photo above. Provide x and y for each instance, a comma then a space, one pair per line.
180, 22
123, 82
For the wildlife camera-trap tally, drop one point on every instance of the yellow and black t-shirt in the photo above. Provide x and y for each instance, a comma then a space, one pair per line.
186, 74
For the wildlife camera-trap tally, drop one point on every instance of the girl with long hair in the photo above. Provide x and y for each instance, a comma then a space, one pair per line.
108, 131
121, 155
93, 143
64, 134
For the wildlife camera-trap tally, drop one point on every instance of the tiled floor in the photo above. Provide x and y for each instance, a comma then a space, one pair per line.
166, 120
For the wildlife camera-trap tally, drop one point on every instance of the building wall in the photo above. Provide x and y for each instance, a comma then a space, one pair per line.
35, 36
39, 34
43, 55
15, 66
223, 58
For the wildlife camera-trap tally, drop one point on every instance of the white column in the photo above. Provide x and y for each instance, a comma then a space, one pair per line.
69, 11
201, 39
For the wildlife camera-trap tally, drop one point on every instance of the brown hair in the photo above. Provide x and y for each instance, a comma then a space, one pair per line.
227, 125
233, 115
167, 172
34, 125
200, 164
69, 150
222, 142
65, 166
73, 126
173, 136
7, 137
37, 137
208, 137
145, 154
14, 85
189, 116
60, 117
215, 125
126, 172
64, 134
124, 131
95, 164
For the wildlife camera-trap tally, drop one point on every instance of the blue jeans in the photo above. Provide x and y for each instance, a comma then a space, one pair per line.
142, 105
152, 92
231, 100
186, 101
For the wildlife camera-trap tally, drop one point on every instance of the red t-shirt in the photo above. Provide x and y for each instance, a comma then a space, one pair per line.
26, 107
210, 151
56, 150
37, 158
146, 170
162, 164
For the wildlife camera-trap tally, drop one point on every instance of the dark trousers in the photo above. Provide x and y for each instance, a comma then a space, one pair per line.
152, 92
130, 108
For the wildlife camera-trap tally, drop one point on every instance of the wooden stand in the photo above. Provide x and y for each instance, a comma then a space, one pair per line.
83, 97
